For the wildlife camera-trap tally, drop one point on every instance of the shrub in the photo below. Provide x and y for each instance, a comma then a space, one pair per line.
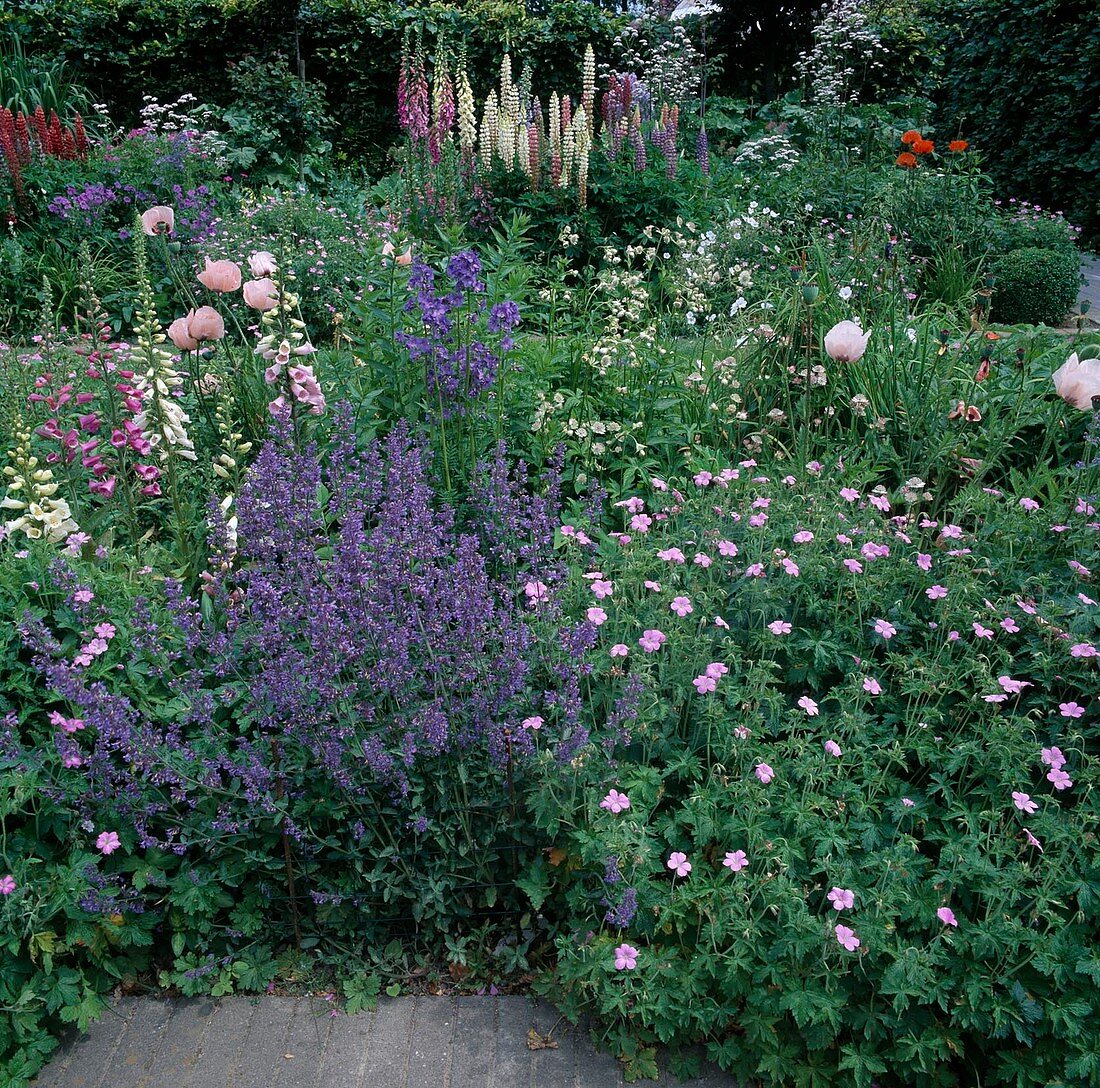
860, 842
1034, 286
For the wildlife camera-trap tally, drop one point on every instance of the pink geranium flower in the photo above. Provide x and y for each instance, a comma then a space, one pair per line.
652, 640
886, 629
847, 938
872, 686
1059, 779
1024, 802
626, 957
108, 842
833, 749
764, 773
679, 863
1071, 709
596, 616
7, 884
704, 684
735, 860
809, 706
842, 898
534, 723
936, 593
615, 802
1052, 757
619, 650
947, 916
681, 606
779, 627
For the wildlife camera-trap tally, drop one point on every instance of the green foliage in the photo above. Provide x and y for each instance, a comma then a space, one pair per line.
27, 82
1020, 78
912, 811
278, 122
1035, 286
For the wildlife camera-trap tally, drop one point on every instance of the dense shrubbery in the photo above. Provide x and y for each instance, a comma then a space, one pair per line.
1036, 119
1035, 286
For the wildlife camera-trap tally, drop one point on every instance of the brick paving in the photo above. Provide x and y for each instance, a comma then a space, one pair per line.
294, 1042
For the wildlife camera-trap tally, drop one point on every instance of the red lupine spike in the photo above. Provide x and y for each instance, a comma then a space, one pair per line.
68, 145
38, 128
54, 144
81, 136
22, 138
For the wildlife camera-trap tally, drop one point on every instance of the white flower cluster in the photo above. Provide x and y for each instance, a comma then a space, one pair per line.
31, 493
662, 56
162, 420
843, 36
773, 150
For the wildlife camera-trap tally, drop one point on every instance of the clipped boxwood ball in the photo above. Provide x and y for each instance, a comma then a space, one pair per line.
1034, 286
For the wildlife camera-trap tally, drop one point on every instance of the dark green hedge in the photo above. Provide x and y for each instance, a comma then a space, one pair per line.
1022, 80
123, 49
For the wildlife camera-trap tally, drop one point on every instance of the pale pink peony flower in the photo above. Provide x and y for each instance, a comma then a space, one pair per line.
261, 295
846, 342
1077, 381
155, 218
220, 276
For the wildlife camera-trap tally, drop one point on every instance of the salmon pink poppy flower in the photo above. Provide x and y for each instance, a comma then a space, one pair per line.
220, 276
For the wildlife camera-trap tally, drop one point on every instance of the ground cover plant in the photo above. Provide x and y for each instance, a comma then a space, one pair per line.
625, 551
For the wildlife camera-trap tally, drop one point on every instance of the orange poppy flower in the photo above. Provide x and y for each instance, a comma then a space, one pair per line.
923, 147
910, 136
907, 159
958, 145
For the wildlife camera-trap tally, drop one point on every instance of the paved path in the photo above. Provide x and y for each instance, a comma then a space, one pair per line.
1090, 289
288, 1042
